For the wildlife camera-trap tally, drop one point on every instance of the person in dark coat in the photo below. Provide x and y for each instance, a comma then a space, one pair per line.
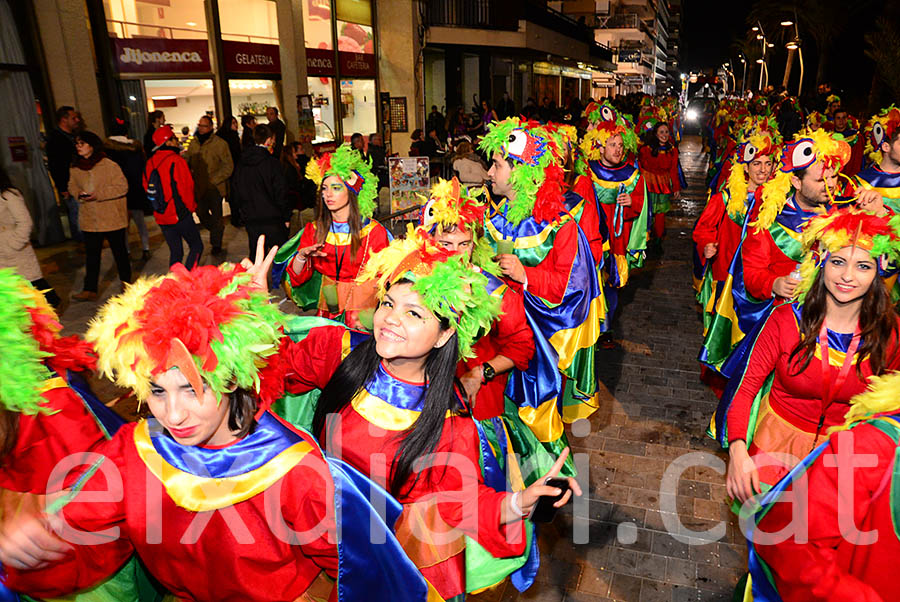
228, 132
155, 120
278, 130
129, 156
377, 155
248, 122
301, 190
60, 151
260, 192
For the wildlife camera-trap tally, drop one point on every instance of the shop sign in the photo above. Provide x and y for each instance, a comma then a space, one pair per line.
320, 61
357, 64
158, 55
246, 57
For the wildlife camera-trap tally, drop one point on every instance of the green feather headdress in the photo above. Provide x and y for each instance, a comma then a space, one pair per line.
22, 370
347, 164
448, 287
538, 154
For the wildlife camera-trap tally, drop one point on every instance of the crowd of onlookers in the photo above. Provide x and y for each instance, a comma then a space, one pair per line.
104, 184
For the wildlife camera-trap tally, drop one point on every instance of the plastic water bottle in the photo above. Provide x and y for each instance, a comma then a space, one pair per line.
796, 273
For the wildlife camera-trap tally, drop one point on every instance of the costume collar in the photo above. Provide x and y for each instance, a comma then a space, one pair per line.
200, 479
612, 174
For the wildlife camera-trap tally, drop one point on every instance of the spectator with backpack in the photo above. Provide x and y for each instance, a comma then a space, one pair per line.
170, 190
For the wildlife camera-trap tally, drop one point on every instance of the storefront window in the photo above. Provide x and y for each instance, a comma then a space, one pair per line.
358, 107
184, 19
317, 24
322, 91
182, 100
249, 21
353, 37
252, 97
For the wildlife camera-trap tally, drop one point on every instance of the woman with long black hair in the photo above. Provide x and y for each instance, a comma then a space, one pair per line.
813, 355
392, 409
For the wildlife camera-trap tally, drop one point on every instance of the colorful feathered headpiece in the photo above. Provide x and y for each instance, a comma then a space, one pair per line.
881, 128
759, 136
595, 139
814, 122
32, 346
448, 287
844, 227
347, 164
210, 322
538, 154
599, 112
453, 206
833, 98
803, 152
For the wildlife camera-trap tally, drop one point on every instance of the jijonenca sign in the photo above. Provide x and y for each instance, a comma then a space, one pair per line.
158, 55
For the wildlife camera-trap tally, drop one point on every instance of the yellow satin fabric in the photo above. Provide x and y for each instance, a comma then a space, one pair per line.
571, 413
569, 341
201, 494
382, 414
544, 421
55, 382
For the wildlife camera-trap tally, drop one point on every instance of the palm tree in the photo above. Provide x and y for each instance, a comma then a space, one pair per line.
883, 47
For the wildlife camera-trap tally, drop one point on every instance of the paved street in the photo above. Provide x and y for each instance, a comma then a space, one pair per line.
654, 410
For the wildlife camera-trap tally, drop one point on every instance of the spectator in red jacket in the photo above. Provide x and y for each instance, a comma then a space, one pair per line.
173, 203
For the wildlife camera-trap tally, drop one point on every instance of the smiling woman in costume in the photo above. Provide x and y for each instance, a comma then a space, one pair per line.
325, 258
201, 348
814, 354
392, 410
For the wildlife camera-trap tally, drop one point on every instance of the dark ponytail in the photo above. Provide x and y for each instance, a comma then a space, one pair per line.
422, 438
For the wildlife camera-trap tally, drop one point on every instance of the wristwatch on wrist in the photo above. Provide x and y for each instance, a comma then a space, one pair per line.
487, 373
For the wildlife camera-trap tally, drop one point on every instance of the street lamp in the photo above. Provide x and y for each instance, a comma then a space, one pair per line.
787, 23
761, 36
792, 46
744, 76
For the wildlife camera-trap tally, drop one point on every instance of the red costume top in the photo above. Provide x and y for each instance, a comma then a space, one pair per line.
339, 265
236, 553
763, 262
43, 440
827, 565
450, 495
660, 171
511, 337
716, 226
797, 398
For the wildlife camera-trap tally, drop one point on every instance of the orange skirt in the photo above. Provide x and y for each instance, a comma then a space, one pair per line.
778, 445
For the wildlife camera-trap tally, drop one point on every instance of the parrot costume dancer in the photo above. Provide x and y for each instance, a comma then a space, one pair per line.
563, 297
218, 330
326, 282
771, 249
601, 183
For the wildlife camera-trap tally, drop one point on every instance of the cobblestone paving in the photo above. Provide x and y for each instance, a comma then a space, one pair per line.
653, 410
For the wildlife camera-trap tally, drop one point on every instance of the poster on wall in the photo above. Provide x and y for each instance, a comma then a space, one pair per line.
385, 101
409, 185
306, 122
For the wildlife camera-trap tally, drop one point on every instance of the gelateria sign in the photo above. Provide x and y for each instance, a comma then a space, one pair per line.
156, 55
245, 57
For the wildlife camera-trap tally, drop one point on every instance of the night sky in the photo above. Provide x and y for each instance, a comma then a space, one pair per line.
710, 26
